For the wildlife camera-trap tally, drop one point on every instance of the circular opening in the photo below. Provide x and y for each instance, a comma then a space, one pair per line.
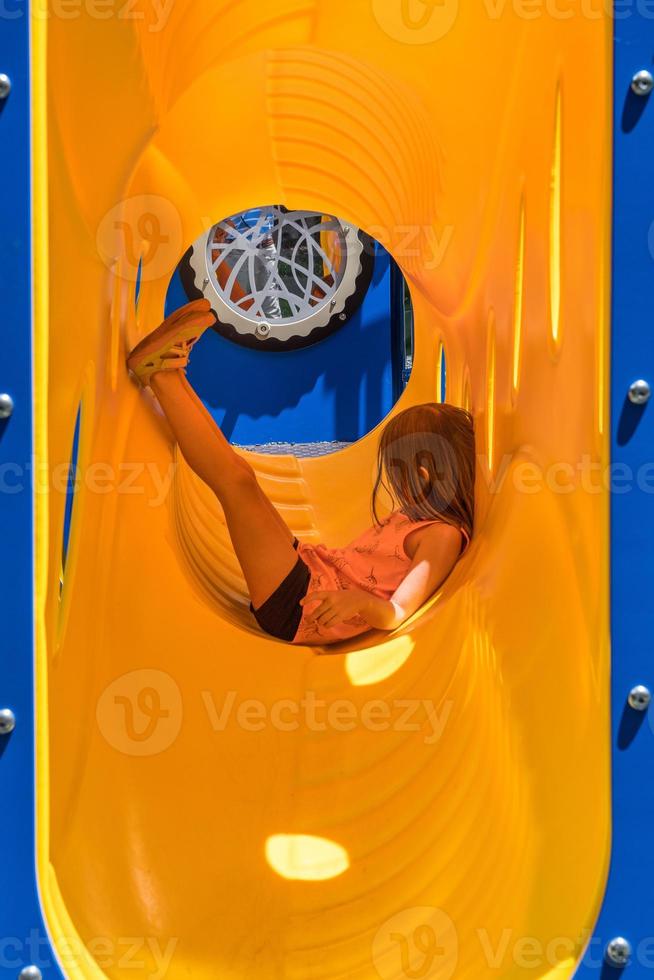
317, 290
278, 278
271, 264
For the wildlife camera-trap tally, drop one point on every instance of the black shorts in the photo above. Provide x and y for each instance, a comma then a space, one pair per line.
281, 613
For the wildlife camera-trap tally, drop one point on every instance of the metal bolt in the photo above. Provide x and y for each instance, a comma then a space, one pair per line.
30, 973
5, 85
342, 316
639, 697
642, 83
7, 721
205, 283
6, 406
263, 329
618, 951
639, 392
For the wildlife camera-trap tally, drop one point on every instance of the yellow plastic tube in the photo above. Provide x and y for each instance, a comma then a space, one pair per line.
433, 803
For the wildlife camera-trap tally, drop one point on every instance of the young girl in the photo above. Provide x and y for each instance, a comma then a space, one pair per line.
312, 594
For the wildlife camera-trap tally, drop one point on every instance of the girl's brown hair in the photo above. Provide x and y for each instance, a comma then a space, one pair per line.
438, 439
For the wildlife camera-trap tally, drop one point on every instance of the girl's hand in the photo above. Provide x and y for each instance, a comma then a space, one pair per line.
437, 552
336, 606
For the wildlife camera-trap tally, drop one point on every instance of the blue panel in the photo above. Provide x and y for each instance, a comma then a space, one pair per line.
22, 934
71, 487
338, 389
629, 902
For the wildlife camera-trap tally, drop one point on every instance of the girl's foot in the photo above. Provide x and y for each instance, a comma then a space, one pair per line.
168, 347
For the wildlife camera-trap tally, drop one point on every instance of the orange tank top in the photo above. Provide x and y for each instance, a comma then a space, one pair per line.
375, 561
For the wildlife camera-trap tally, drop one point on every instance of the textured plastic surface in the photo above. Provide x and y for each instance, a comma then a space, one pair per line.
285, 843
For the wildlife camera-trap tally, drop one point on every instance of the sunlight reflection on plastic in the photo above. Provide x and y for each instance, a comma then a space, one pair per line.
371, 666
301, 857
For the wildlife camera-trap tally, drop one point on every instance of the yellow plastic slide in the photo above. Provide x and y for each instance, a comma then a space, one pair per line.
433, 803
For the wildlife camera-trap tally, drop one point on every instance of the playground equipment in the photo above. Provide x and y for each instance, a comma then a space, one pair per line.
433, 803
326, 267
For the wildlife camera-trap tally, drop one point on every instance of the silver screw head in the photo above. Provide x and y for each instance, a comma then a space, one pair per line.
263, 329
7, 721
618, 951
6, 405
639, 697
342, 316
30, 973
639, 392
643, 82
5, 85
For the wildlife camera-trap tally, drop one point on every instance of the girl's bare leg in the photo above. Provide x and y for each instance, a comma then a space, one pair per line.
262, 541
